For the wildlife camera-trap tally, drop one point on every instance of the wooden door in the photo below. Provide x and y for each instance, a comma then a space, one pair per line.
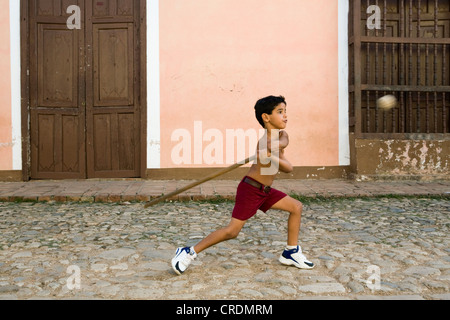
112, 88
85, 89
56, 75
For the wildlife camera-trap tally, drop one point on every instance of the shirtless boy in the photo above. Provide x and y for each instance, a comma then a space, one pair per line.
255, 193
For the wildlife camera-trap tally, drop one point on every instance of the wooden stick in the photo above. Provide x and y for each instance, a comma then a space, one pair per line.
194, 184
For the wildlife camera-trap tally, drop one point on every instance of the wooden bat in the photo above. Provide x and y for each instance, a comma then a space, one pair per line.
194, 184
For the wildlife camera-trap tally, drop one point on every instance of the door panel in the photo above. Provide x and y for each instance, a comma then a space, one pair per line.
112, 105
113, 65
57, 67
57, 115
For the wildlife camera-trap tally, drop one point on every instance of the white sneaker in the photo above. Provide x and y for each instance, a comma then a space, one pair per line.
182, 260
295, 257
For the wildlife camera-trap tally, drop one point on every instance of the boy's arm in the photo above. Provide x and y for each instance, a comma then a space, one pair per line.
280, 161
267, 155
283, 139
281, 143
283, 164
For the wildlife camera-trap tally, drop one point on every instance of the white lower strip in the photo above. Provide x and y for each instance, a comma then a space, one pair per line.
153, 87
14, 18
344, 144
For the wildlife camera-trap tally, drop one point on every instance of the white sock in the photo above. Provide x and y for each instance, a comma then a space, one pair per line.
291, 247
192, 250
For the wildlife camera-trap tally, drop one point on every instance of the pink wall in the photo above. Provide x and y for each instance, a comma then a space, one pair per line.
5, 90
218, 57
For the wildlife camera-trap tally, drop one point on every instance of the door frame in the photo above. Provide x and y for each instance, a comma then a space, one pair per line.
25, 87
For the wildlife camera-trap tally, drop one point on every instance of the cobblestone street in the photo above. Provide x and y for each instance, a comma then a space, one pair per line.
378, 248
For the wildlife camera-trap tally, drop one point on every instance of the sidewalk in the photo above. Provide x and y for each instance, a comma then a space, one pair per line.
100, 190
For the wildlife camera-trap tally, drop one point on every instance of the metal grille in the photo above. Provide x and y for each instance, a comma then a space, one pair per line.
407, 55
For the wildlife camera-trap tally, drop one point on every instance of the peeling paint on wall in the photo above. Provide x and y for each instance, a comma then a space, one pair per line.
403, 158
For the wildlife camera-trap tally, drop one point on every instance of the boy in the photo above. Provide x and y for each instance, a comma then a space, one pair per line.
254, 191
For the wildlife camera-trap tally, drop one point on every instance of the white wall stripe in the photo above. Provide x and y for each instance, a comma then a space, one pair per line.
344, 144
153, 87
14, 18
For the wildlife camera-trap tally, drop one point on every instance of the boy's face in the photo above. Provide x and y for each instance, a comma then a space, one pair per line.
277, 119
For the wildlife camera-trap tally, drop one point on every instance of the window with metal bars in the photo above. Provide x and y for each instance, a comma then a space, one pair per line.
407, 55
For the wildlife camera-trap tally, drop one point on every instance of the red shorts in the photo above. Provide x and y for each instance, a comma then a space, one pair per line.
249, 199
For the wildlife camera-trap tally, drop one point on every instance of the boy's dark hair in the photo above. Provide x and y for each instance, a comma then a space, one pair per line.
266, 105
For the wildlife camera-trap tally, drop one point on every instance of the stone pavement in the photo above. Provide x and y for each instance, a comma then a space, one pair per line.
390, 247
120, 190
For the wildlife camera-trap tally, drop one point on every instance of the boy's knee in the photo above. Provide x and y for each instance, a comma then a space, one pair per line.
298, 207
232, 233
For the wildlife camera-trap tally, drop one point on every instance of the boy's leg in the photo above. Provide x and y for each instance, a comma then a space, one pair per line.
184, 256
229, 232
294, 207
293, 255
